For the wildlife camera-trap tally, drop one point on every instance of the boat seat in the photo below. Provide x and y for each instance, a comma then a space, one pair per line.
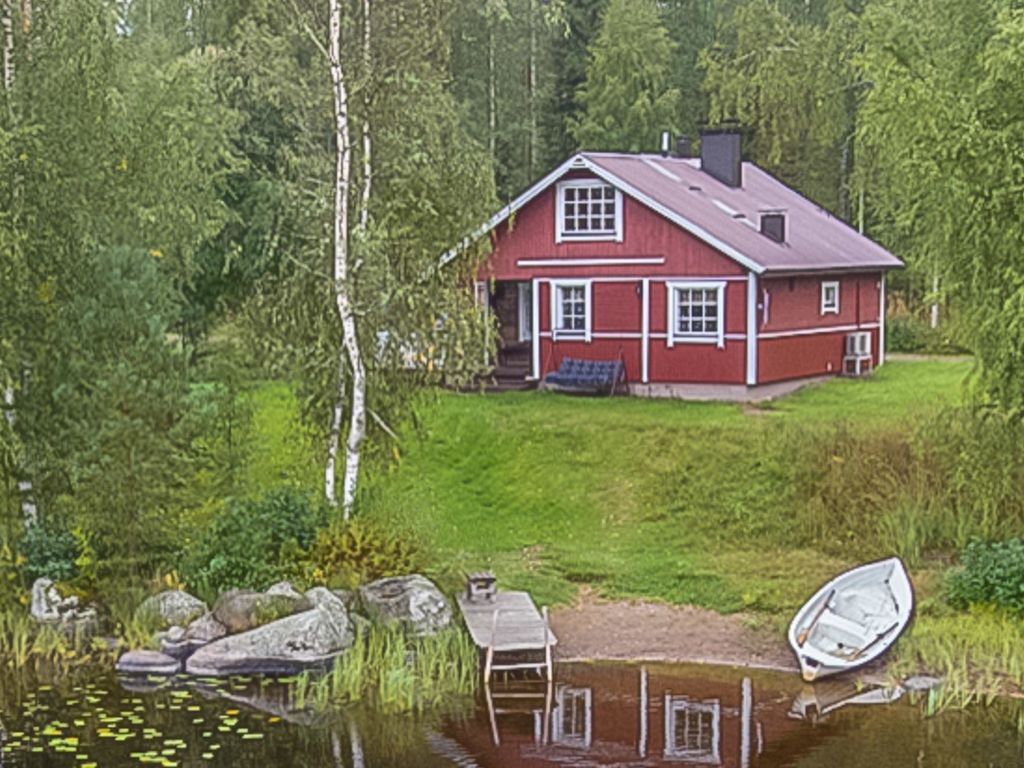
874, 609
837, 635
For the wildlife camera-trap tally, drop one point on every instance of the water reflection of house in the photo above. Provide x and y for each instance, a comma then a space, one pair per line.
635, 715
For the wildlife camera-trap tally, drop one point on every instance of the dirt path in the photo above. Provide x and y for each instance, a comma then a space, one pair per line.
638, 631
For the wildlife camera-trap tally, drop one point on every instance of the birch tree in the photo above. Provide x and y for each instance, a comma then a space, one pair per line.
359, 315
349, 348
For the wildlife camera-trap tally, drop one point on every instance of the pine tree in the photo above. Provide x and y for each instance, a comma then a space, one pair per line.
628, 95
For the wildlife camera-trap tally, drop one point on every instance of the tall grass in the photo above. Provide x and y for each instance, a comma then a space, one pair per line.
915, 491
979, 654
25, 645
395, 673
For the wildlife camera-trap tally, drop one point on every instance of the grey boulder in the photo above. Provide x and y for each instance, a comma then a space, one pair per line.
204, 630
413, 601
148, 663
311, 639
172, 607
241, 610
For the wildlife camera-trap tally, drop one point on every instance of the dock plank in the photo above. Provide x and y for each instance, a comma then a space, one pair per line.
520, 625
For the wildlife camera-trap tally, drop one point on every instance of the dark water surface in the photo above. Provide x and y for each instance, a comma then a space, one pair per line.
631, 715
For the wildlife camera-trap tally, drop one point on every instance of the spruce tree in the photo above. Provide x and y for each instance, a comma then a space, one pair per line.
628, 96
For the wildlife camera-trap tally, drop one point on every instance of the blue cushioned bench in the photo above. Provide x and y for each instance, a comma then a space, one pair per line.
592, 377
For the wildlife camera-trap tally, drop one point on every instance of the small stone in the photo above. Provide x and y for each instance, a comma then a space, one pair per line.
920, 683
205, 629
148, 663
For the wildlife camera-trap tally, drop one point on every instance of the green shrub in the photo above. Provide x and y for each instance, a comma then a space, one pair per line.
254, 543
50, 552
910, 333
347, 554
992, 573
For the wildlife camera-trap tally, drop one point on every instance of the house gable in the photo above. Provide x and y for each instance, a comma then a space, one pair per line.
527, 244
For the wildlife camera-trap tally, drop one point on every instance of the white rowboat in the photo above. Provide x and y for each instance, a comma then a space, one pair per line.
853, 619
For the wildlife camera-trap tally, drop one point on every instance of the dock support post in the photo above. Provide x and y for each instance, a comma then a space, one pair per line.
547, 645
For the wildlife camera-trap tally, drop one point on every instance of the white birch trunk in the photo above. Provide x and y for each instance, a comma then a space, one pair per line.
364, 210
343, 299
531, 156
935, 302
334, 438
492, 94
358, 761
7, 25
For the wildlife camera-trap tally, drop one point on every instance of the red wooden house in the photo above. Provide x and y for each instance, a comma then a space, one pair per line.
706, 276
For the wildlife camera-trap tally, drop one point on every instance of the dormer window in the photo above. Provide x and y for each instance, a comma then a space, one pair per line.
588, 209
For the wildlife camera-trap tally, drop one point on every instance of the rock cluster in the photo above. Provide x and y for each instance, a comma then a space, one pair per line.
279, 631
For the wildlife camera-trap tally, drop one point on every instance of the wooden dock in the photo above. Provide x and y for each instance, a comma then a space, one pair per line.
509, 623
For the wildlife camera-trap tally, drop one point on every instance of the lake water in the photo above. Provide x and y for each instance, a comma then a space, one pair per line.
630, 715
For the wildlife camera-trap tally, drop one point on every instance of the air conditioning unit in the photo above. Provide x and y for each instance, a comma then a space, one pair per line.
858, 344
858, 360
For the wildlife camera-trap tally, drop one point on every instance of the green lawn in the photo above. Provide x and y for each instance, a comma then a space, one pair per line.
684, 502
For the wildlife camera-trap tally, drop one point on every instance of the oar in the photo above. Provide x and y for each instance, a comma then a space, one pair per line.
878, 637
806, 632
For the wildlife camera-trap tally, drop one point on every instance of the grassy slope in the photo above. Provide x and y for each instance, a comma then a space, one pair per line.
658, 499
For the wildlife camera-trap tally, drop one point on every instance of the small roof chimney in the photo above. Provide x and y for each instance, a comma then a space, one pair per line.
720, 155
684, 147
666, 142
773, 225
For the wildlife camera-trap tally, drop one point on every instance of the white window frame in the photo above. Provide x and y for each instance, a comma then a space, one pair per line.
569, 701
562, 236
672, 336
557, 332
524, 302
676, 706
829, 308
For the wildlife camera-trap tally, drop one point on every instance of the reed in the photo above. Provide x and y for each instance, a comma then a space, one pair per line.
979, 654
25, 645
395, 672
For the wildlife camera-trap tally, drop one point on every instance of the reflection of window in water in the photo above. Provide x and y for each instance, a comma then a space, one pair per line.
692, 729
572, 718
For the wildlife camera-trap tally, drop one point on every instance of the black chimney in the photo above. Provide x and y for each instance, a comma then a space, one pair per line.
773, 225
684, 147
720, 156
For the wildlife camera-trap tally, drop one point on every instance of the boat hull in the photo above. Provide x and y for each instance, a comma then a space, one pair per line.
852, 620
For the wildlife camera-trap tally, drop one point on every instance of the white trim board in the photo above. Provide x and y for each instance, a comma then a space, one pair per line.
752, 330
815, 331
608, 262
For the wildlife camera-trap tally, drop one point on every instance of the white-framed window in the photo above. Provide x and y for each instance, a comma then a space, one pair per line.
525, 303
570, 309
693, 730
572, 719
830, 297
588, 209
696, 313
